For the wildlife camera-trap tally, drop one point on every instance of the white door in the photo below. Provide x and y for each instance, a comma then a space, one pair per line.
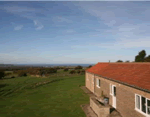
114, 96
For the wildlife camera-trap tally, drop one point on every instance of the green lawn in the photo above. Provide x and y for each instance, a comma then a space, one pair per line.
29, 97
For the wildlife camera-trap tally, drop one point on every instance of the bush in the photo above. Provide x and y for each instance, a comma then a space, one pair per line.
42, 72
89, 66
7, 74
51, 70
66, 69
119, 61
22, 73
13, 77
83, 71
78, 72
78, 67
2, 74
72, 72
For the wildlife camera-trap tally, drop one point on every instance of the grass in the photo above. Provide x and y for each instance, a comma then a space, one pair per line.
53, 96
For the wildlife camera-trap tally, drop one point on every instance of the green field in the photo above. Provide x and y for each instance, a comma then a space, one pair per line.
55, 96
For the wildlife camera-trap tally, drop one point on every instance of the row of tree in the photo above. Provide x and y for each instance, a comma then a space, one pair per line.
42, 71
141, 57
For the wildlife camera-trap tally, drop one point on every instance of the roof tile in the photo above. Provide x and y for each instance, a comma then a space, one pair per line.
137, 74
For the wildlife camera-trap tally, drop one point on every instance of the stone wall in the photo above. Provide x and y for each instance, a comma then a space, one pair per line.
100, 110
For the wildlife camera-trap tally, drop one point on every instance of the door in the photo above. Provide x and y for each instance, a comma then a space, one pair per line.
114, 96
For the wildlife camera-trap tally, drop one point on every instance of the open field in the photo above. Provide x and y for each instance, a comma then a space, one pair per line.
55, 96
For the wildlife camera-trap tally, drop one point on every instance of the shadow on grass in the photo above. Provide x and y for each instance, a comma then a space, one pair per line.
8, 78
45, 83
3, 85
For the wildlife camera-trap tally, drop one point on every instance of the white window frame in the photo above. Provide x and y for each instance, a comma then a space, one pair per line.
97, 82
111, 89
140, 110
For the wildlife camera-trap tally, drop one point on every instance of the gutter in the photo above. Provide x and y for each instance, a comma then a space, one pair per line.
133, 86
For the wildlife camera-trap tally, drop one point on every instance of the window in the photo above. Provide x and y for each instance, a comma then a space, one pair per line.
138, 101
142, 104
98, 82
148, 107
114, 91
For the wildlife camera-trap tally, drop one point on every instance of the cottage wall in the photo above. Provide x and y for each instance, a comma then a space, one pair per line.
88, 82
125, 95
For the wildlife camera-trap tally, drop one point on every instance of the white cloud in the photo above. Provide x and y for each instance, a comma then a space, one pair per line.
17, 9
70, 31
19, 27
61, 19
38, 25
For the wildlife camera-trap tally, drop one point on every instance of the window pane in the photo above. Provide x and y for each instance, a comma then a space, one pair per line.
148, 107
114, 91
138, 101
144, 104
99, 82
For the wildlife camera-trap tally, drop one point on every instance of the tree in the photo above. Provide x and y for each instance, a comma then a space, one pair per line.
89, 66
119, 61
51, 70
72, 72
2, 74
42, 72
66, 69
78, 67
83, 71
141, 56
137, 58
147, 59
78, 71
22, 73
127, 61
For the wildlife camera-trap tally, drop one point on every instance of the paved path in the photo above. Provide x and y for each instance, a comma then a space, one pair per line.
88, 111
87, 91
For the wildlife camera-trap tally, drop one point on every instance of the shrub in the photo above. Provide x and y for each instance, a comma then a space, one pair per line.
78, 67
2, 74
66, 69
13, 77
83, 71
7, 74
89, 66
119, 61
72, 72
22, 73
51, 70
78, 72
42, 72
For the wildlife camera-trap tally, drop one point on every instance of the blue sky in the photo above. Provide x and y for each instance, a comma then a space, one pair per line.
73, 32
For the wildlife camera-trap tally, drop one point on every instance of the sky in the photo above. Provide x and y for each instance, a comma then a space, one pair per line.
53, 32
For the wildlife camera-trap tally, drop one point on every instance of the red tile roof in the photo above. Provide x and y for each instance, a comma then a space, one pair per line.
137, 74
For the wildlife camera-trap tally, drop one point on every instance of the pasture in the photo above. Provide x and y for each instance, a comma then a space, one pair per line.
58, 95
